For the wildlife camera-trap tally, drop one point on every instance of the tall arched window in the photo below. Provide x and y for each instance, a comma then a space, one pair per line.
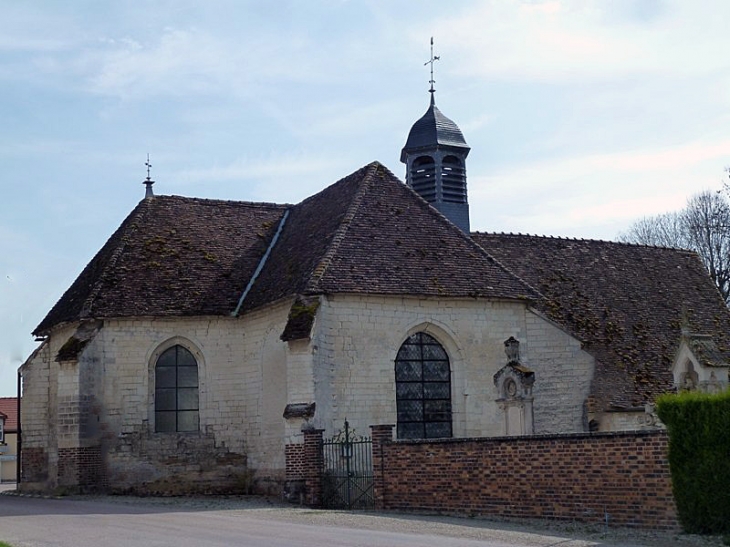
176, 391
423, 389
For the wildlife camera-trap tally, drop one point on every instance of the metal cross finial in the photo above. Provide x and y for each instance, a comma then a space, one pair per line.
430, 62
149, 182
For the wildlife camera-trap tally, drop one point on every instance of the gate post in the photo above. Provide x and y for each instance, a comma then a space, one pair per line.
381, 434
313, 467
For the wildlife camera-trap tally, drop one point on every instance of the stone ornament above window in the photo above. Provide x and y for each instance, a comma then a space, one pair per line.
514, 383
514, 380
512, 349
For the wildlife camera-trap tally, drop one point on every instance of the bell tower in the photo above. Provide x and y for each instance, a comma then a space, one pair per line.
435, 157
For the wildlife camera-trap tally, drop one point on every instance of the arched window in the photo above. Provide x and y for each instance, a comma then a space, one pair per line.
423, 389
176, 391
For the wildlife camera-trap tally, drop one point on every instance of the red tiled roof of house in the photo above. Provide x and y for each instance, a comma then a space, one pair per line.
9, 407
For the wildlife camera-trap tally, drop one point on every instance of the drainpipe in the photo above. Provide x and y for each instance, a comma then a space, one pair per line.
17, 456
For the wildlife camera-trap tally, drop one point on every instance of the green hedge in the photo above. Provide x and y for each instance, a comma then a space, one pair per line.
699, 458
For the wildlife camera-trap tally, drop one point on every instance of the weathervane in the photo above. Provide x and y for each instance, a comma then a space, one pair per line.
149, 182
430, 62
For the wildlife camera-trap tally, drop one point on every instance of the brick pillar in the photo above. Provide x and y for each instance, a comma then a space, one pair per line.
313, 467
381, 434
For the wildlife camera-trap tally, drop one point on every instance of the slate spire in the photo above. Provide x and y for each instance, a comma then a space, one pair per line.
435, 157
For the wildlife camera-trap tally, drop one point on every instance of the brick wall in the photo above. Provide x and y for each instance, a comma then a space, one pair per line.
295, 463
34, 465
578, 477
81, 468
304, 468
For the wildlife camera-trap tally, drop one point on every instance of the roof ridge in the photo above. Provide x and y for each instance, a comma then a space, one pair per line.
505, 268
467, 236
213, 201
321, 267
142, 208
584, 239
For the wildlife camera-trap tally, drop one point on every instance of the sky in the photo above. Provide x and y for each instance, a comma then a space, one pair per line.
582, 115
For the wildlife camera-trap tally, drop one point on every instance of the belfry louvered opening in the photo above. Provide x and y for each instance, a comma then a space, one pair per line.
423, 177
453, 180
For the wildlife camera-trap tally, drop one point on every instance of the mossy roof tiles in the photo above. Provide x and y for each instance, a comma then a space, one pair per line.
370, 234
172, 256
367, 233
628, 304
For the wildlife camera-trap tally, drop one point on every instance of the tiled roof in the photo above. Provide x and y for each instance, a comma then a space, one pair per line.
395, 243
626, 303
370, 233
367, 233
706, 350
9, 407
172, 256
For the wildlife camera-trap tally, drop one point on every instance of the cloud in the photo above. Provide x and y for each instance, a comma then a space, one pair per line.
277, 177
184, 62
181, 62
576, 39
595, 195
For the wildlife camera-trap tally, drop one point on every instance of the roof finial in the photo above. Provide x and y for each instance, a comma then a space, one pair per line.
148, 182
430, 62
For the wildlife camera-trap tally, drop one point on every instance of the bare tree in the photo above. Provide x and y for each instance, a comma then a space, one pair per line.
702, 226
707, 221
665, 230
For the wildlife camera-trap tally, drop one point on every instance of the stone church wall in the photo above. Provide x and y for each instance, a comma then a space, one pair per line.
356, 340
39, 458
242, 388
563, 374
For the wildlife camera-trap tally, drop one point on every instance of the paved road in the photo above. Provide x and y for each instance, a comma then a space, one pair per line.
94, 522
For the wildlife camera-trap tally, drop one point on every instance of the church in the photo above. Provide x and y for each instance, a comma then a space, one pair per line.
206, 336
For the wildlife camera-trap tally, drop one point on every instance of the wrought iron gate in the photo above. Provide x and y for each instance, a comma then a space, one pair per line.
347, 482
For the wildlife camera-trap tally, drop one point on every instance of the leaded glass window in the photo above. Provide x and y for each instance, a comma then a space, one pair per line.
423, 389
176, 391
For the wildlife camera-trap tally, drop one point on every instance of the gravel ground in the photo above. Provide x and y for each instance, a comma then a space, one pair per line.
468, 528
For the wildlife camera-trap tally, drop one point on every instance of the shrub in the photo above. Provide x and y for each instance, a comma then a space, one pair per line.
699, 458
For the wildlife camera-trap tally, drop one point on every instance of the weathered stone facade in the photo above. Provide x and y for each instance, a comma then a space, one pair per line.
102, 401
356, 338
360, 303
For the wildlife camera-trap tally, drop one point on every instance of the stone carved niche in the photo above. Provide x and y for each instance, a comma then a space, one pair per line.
689, 378
514, 383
